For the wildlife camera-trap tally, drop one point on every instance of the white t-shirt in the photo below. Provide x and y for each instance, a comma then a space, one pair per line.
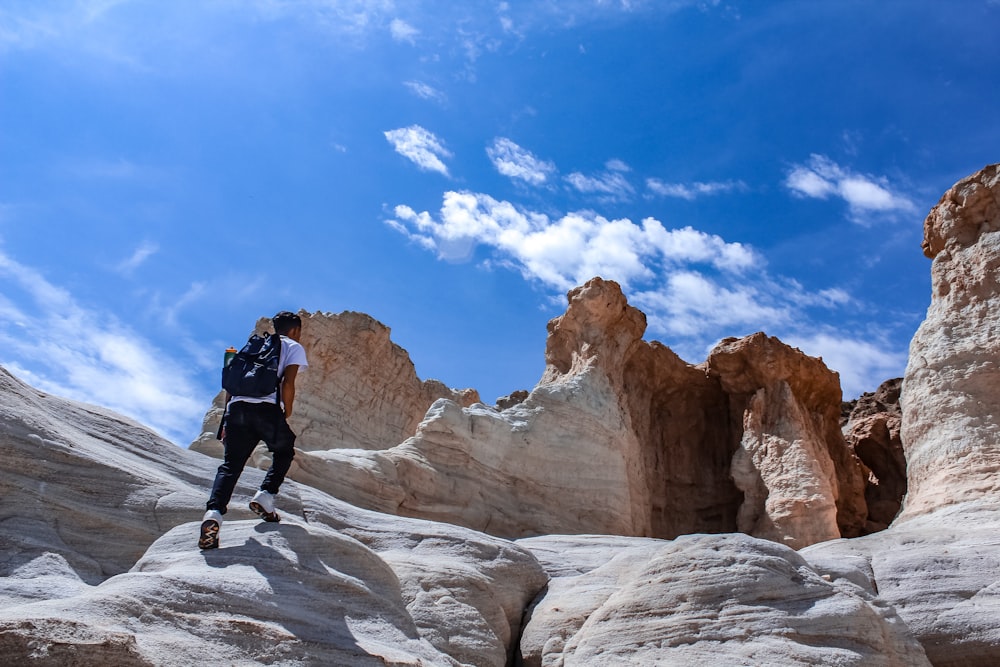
292, 354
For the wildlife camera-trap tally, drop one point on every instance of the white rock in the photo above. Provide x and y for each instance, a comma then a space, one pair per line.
99, 564
703, 600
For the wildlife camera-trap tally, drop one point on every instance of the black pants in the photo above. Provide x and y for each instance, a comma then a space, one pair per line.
246, 425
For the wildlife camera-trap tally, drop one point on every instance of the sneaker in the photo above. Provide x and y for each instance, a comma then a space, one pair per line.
263, 505
210, 525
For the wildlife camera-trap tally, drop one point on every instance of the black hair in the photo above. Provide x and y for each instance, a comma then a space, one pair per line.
285, 322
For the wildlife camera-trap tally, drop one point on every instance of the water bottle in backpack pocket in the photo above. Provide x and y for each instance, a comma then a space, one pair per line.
253, 371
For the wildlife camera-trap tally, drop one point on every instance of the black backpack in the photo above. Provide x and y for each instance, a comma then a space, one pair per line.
254, 369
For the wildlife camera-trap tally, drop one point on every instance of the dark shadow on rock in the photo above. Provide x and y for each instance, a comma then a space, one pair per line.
316, 579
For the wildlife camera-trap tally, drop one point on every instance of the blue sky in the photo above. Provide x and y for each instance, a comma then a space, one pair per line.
171, 171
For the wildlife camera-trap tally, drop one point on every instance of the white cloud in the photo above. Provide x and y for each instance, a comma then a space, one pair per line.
145, 250
63, 348
420, 146
690, 304
570, 250
691, 191
514, 161
610, 184
821, 178
425, 91
402, 31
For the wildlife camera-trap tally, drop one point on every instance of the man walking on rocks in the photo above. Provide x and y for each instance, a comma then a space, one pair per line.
247, 421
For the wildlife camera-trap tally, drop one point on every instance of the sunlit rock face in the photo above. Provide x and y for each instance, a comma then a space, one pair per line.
703, 600
951, 419
619, 436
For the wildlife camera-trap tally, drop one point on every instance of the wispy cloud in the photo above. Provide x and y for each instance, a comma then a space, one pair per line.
514, 161
420, 146
425, 91
145, 250
402, 31
90, 356
611, 184
822, 178
692, 191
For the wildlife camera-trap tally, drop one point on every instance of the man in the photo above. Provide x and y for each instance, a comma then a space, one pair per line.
250, 419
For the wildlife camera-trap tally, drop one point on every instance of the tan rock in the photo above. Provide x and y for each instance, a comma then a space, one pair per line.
951, 425
872, 431
801, 482
619, 436
622, 436
360, 391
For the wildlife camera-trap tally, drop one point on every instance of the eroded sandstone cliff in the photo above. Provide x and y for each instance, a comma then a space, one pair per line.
951, 417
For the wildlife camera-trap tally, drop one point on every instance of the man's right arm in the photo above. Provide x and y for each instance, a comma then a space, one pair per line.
288, 388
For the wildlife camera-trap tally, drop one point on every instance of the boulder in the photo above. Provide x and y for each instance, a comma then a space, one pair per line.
703, 600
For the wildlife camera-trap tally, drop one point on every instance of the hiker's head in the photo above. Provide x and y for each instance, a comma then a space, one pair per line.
287, 324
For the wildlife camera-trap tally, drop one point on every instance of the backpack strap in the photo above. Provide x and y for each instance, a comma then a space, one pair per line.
277, 388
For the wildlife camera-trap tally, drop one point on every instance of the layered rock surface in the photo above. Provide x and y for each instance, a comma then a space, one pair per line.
951, 417
99, 563
703, 600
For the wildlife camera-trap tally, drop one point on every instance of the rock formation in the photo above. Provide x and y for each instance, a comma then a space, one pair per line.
872, 430
951, 424
98, 566
620, 436
98, 562
800, 482
361, 390
703, 600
